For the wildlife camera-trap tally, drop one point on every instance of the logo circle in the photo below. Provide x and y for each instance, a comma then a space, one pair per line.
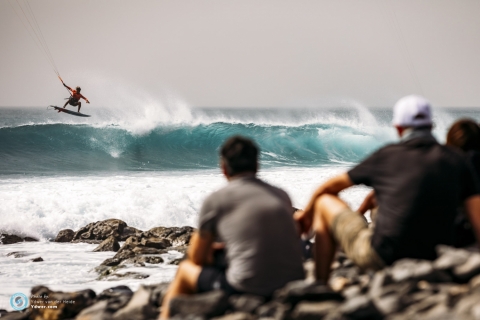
18, 301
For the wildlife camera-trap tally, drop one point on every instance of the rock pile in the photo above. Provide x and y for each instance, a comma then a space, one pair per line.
6, 238
447, 288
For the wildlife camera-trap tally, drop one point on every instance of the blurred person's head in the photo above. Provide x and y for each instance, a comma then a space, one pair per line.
238, 156
464, 134
412, 112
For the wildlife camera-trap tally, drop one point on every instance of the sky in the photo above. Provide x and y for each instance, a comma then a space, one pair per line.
268, 53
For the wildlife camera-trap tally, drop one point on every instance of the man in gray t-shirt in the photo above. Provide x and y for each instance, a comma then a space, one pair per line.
253, 221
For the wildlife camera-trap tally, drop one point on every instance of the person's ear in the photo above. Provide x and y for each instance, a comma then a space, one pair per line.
223, 167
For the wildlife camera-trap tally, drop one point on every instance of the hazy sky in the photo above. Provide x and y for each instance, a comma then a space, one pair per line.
246, 53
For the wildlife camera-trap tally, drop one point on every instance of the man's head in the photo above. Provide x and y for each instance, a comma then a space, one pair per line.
464, 134
78, 89
239, 155
412, 112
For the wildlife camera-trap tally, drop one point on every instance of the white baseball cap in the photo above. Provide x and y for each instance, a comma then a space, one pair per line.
412, 111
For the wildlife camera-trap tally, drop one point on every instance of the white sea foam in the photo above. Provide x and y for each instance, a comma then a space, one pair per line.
42, 206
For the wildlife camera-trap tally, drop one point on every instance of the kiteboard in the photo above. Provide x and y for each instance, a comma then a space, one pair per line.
78, 114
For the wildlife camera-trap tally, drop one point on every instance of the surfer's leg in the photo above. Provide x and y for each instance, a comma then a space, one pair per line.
79, 106
65, 104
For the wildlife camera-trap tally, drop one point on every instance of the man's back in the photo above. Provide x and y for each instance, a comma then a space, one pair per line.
418, 184
255, 221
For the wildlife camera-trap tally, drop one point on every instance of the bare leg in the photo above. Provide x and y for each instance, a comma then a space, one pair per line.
185, 282
64, 105
79, 106
327, 207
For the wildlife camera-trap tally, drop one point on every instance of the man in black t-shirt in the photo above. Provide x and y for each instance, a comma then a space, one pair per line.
418, 185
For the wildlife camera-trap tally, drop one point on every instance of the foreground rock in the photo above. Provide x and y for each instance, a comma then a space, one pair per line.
6, 238
448, 288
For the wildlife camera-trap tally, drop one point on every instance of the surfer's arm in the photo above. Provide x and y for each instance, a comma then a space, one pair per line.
85, 99
67, 86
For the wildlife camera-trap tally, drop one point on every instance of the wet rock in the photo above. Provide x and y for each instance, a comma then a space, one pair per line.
71, 303
38, 259
125, 275
296, 291
139, 307
109, 244
129, 232
18, 254
141, 260
177, 236
100, 230
156, 243
246, 303
207, 304
65, 235
12, 238
145, 250
469, 269
314, 310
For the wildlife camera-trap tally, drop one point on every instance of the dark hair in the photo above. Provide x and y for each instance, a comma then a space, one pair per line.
239, 155
464, 134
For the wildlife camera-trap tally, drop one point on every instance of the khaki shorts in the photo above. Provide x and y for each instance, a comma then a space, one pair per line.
351, 232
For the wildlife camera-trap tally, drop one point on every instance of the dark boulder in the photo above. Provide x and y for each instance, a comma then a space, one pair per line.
101, 230
207, 304
70, 303
12, 238
129, 232
65, 235
109, 244
139, 307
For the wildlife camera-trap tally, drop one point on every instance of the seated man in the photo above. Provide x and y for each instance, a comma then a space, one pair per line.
418, 185
254, 221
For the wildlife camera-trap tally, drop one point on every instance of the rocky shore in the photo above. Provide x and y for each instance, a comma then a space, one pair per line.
447, 288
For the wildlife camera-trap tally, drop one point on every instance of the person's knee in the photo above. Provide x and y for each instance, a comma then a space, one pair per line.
330, 206
188, 273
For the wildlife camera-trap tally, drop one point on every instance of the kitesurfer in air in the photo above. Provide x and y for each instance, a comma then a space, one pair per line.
75, 97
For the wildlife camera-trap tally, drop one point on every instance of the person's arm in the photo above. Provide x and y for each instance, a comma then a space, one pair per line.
472, 206
200, 248
67, 87
85, 99
368, 203
332, 186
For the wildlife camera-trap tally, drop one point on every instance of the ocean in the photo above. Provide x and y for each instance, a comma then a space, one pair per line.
151, 166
